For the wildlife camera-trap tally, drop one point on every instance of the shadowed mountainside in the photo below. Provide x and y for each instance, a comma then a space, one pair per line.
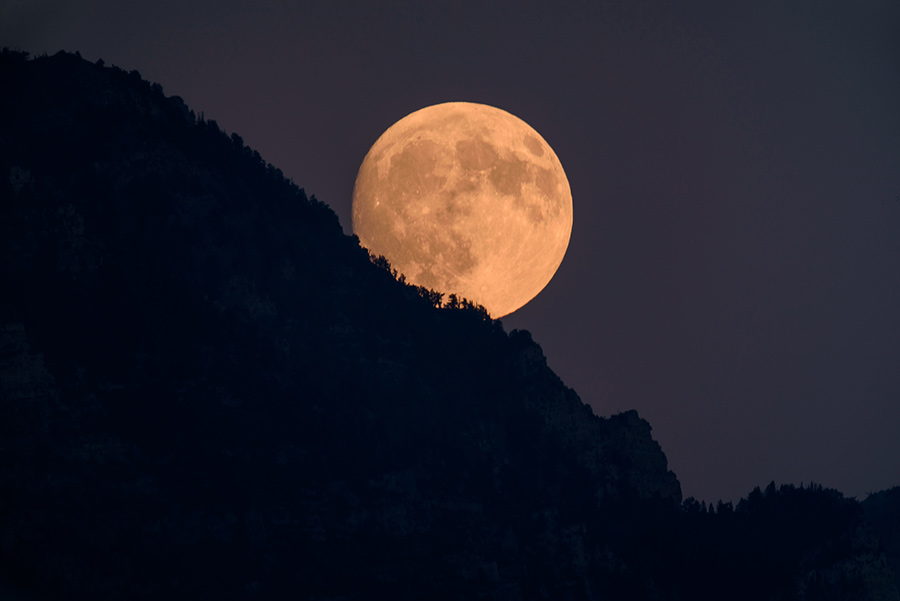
209, 391
882, 511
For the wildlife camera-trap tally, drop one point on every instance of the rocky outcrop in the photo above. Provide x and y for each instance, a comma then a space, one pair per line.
614, 450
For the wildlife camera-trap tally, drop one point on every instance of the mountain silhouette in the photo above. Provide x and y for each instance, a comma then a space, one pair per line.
209, 391
882, 511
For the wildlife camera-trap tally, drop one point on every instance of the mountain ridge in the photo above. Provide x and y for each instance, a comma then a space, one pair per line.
208, 390
178, 279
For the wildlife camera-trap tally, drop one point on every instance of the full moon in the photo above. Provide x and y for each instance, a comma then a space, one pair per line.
466, 199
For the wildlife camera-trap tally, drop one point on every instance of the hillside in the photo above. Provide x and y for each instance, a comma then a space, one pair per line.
209, 391
882, 511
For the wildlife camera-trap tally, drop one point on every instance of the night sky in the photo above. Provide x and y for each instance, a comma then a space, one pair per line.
734, 268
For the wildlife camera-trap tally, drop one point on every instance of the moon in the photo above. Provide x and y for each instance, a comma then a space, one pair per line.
466, 199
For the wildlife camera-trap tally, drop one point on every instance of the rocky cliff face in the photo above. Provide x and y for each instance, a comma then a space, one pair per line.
209, 391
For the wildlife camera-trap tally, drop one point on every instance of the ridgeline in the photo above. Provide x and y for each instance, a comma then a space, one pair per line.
208, 391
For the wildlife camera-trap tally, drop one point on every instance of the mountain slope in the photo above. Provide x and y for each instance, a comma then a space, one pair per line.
207, 390
208, 387
882, 510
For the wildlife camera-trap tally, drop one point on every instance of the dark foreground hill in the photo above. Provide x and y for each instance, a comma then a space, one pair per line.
882, 511
207, 391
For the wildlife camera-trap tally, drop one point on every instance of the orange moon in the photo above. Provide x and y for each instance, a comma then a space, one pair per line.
467, 199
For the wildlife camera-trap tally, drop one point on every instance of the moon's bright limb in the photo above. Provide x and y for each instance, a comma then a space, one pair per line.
467, 199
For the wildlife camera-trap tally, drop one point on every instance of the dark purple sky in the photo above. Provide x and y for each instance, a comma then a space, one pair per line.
734, 269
